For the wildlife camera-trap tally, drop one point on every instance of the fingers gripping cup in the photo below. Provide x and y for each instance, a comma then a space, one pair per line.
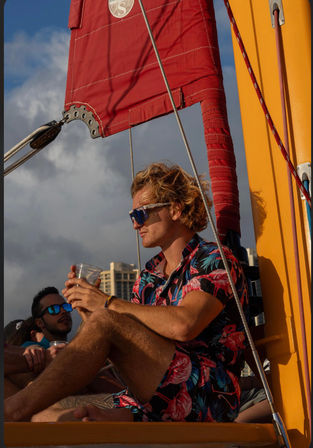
88, 272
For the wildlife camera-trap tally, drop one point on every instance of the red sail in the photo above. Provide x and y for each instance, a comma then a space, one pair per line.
113, 74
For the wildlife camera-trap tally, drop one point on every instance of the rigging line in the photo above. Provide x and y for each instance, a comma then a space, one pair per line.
133, 175
263, 105
279, 49
279, 425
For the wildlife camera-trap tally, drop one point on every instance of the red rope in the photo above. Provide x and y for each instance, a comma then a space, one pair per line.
264, 107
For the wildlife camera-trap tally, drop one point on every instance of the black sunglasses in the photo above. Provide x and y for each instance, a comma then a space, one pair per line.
56, 309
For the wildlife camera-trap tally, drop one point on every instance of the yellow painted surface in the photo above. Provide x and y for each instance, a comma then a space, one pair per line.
208, 435
267, 172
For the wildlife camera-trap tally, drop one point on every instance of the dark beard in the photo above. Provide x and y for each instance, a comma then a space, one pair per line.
59, 334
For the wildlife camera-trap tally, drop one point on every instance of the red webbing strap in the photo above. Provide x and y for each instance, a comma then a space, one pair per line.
264, 107
222, 166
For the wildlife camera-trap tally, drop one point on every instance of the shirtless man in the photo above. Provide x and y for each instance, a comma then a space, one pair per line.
178, 345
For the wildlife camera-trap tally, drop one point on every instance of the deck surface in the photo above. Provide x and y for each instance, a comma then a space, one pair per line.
210, 435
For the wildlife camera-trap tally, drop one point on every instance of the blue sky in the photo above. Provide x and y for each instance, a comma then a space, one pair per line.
70, 202
24, 19
32, 15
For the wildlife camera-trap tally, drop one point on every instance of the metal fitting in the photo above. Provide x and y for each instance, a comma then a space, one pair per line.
304, 172
277, 5
81, 113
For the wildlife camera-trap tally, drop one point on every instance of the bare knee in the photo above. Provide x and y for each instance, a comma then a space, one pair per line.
257, 413
102, 319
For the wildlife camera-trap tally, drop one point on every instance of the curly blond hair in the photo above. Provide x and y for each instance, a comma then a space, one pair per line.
170, 183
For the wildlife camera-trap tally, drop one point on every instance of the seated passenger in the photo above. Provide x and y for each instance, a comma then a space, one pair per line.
21, 365
254, 406
19, 332
51, 316
50, 320
178, 346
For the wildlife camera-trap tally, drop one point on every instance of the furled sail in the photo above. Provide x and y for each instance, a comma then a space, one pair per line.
114, 81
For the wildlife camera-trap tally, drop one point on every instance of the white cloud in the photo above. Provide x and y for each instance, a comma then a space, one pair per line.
43, 51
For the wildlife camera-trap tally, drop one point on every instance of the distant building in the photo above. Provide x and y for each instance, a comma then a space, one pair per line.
252, 256
119, 279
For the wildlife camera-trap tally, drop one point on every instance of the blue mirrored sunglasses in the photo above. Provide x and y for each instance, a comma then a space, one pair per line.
141, 214
56, 309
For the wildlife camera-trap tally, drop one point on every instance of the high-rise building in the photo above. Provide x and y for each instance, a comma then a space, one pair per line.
252, 256
119, 279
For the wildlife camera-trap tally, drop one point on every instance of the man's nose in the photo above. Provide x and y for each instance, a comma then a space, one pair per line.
62, 310
136, 226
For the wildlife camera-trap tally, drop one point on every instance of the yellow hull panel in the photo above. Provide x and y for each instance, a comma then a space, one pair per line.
267, 172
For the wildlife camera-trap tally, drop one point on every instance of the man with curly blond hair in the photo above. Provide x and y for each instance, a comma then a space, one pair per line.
178, 344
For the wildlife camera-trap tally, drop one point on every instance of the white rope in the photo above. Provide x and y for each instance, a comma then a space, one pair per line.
133, 175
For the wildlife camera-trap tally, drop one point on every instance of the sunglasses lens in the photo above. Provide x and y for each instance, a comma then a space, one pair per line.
67, 307
54, 309
139, 216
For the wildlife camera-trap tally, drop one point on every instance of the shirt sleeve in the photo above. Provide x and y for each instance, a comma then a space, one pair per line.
135, 296
208, 274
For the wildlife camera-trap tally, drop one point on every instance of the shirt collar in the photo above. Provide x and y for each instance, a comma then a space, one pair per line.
156, 264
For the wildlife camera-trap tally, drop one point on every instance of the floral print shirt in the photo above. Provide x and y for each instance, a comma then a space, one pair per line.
214, 358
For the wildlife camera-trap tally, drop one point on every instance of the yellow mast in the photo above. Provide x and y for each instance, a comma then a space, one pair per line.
267, 172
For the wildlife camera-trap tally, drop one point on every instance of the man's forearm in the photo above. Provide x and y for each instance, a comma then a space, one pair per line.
14, 361
178, 323
167, 321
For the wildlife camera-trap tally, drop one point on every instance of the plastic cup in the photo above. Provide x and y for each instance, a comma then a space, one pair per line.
53, 343
88, 272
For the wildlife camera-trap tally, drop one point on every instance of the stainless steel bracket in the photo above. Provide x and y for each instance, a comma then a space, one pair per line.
304, 172
81, 113
277, 4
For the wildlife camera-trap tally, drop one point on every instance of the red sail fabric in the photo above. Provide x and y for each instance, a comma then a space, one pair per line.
113, 72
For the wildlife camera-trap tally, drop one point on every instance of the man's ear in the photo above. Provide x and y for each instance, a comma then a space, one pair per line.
33, 335
176, 210
39, 322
